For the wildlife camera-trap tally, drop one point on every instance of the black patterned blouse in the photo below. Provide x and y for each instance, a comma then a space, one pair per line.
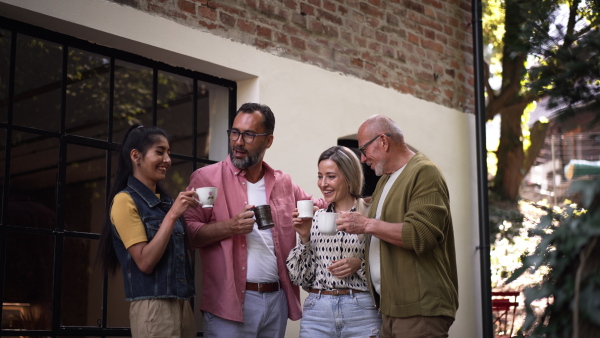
307, 263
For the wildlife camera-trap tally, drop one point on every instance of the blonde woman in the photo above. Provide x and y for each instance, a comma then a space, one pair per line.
332, 268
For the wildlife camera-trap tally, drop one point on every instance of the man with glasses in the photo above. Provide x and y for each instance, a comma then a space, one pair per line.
410, 255
246, 290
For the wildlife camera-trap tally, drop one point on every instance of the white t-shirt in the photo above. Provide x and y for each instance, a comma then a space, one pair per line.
262, 262
374, 246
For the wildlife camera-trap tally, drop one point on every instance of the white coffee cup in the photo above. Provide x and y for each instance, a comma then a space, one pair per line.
206, 196
326, 223
305, 208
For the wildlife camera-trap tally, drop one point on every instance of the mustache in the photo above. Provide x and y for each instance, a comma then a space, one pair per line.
240, 148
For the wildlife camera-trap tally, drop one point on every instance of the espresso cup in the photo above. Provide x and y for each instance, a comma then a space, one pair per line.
264, 219
305, 208
206, 196
326, 223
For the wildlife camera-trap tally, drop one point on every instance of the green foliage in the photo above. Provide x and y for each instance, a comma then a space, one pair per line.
569, 248
568, 57
505, 222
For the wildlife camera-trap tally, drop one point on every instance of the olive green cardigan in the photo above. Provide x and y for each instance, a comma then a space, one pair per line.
419, 279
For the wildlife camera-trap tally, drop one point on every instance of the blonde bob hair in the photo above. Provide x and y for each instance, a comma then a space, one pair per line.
349, 164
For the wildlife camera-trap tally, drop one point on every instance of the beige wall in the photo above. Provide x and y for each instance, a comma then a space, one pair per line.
313, 108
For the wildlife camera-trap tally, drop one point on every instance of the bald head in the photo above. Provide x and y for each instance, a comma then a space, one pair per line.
379, 124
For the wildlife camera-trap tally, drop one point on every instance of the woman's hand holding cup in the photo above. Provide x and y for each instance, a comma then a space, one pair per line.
302, 226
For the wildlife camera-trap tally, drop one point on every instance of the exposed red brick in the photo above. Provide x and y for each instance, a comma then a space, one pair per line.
207, 13
227, 19
434, 3
329, 17
209, 25
264, 32
186, 6
414, 6
330, 6
266, 7
298, 43
291, 4
246, 26
361, 42
224, 8
307, 9
428, 44
262, 44
317, 26
419, 47
413, 38
370, 10
356, 62
281, 38
381, 37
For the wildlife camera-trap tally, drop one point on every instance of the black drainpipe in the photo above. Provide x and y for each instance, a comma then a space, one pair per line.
482, 182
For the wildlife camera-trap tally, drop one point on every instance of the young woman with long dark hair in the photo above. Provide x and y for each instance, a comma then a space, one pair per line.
145, 234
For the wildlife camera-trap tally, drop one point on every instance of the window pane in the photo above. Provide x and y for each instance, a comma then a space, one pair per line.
178, 176
82, 284
133, 97
117, 308
85, 188
212, 121
30, 305
37, 83
5, 38
33, 171
87, 94
203, 121
175, 110
2, 160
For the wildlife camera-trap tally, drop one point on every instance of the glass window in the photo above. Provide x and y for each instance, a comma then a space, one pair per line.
38, 80
88, 94
28, 291
2, 161
33, 172
78, 296
176, 110
59, 178
85, 189
5, 39
133, 97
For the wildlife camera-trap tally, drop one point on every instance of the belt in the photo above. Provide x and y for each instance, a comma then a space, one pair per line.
263, 287
336, 292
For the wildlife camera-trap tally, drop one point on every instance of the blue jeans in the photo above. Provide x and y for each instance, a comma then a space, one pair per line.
351, 315
265, 315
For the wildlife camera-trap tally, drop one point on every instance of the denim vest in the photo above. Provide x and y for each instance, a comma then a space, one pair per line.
172, 277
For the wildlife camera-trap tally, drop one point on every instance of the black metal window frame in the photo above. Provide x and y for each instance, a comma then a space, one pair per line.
66, 41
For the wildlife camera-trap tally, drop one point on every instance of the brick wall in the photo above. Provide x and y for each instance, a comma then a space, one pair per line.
418, 47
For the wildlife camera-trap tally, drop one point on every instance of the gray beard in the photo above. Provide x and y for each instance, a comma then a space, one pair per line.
249, 161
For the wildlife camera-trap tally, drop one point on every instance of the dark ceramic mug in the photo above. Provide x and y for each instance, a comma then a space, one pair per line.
264, 219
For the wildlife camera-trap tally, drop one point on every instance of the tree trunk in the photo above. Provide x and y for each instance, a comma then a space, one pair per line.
510, 154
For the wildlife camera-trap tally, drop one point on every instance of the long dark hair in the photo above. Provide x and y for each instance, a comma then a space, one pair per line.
140, 138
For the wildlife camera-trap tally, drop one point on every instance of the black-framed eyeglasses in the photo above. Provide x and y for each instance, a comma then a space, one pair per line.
248, 137
364, 146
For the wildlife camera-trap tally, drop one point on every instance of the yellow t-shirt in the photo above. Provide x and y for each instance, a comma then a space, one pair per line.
124, 215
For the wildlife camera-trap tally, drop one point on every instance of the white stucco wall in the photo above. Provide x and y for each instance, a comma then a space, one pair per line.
313, 108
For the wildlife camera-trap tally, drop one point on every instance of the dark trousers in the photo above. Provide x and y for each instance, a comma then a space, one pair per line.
417, 326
